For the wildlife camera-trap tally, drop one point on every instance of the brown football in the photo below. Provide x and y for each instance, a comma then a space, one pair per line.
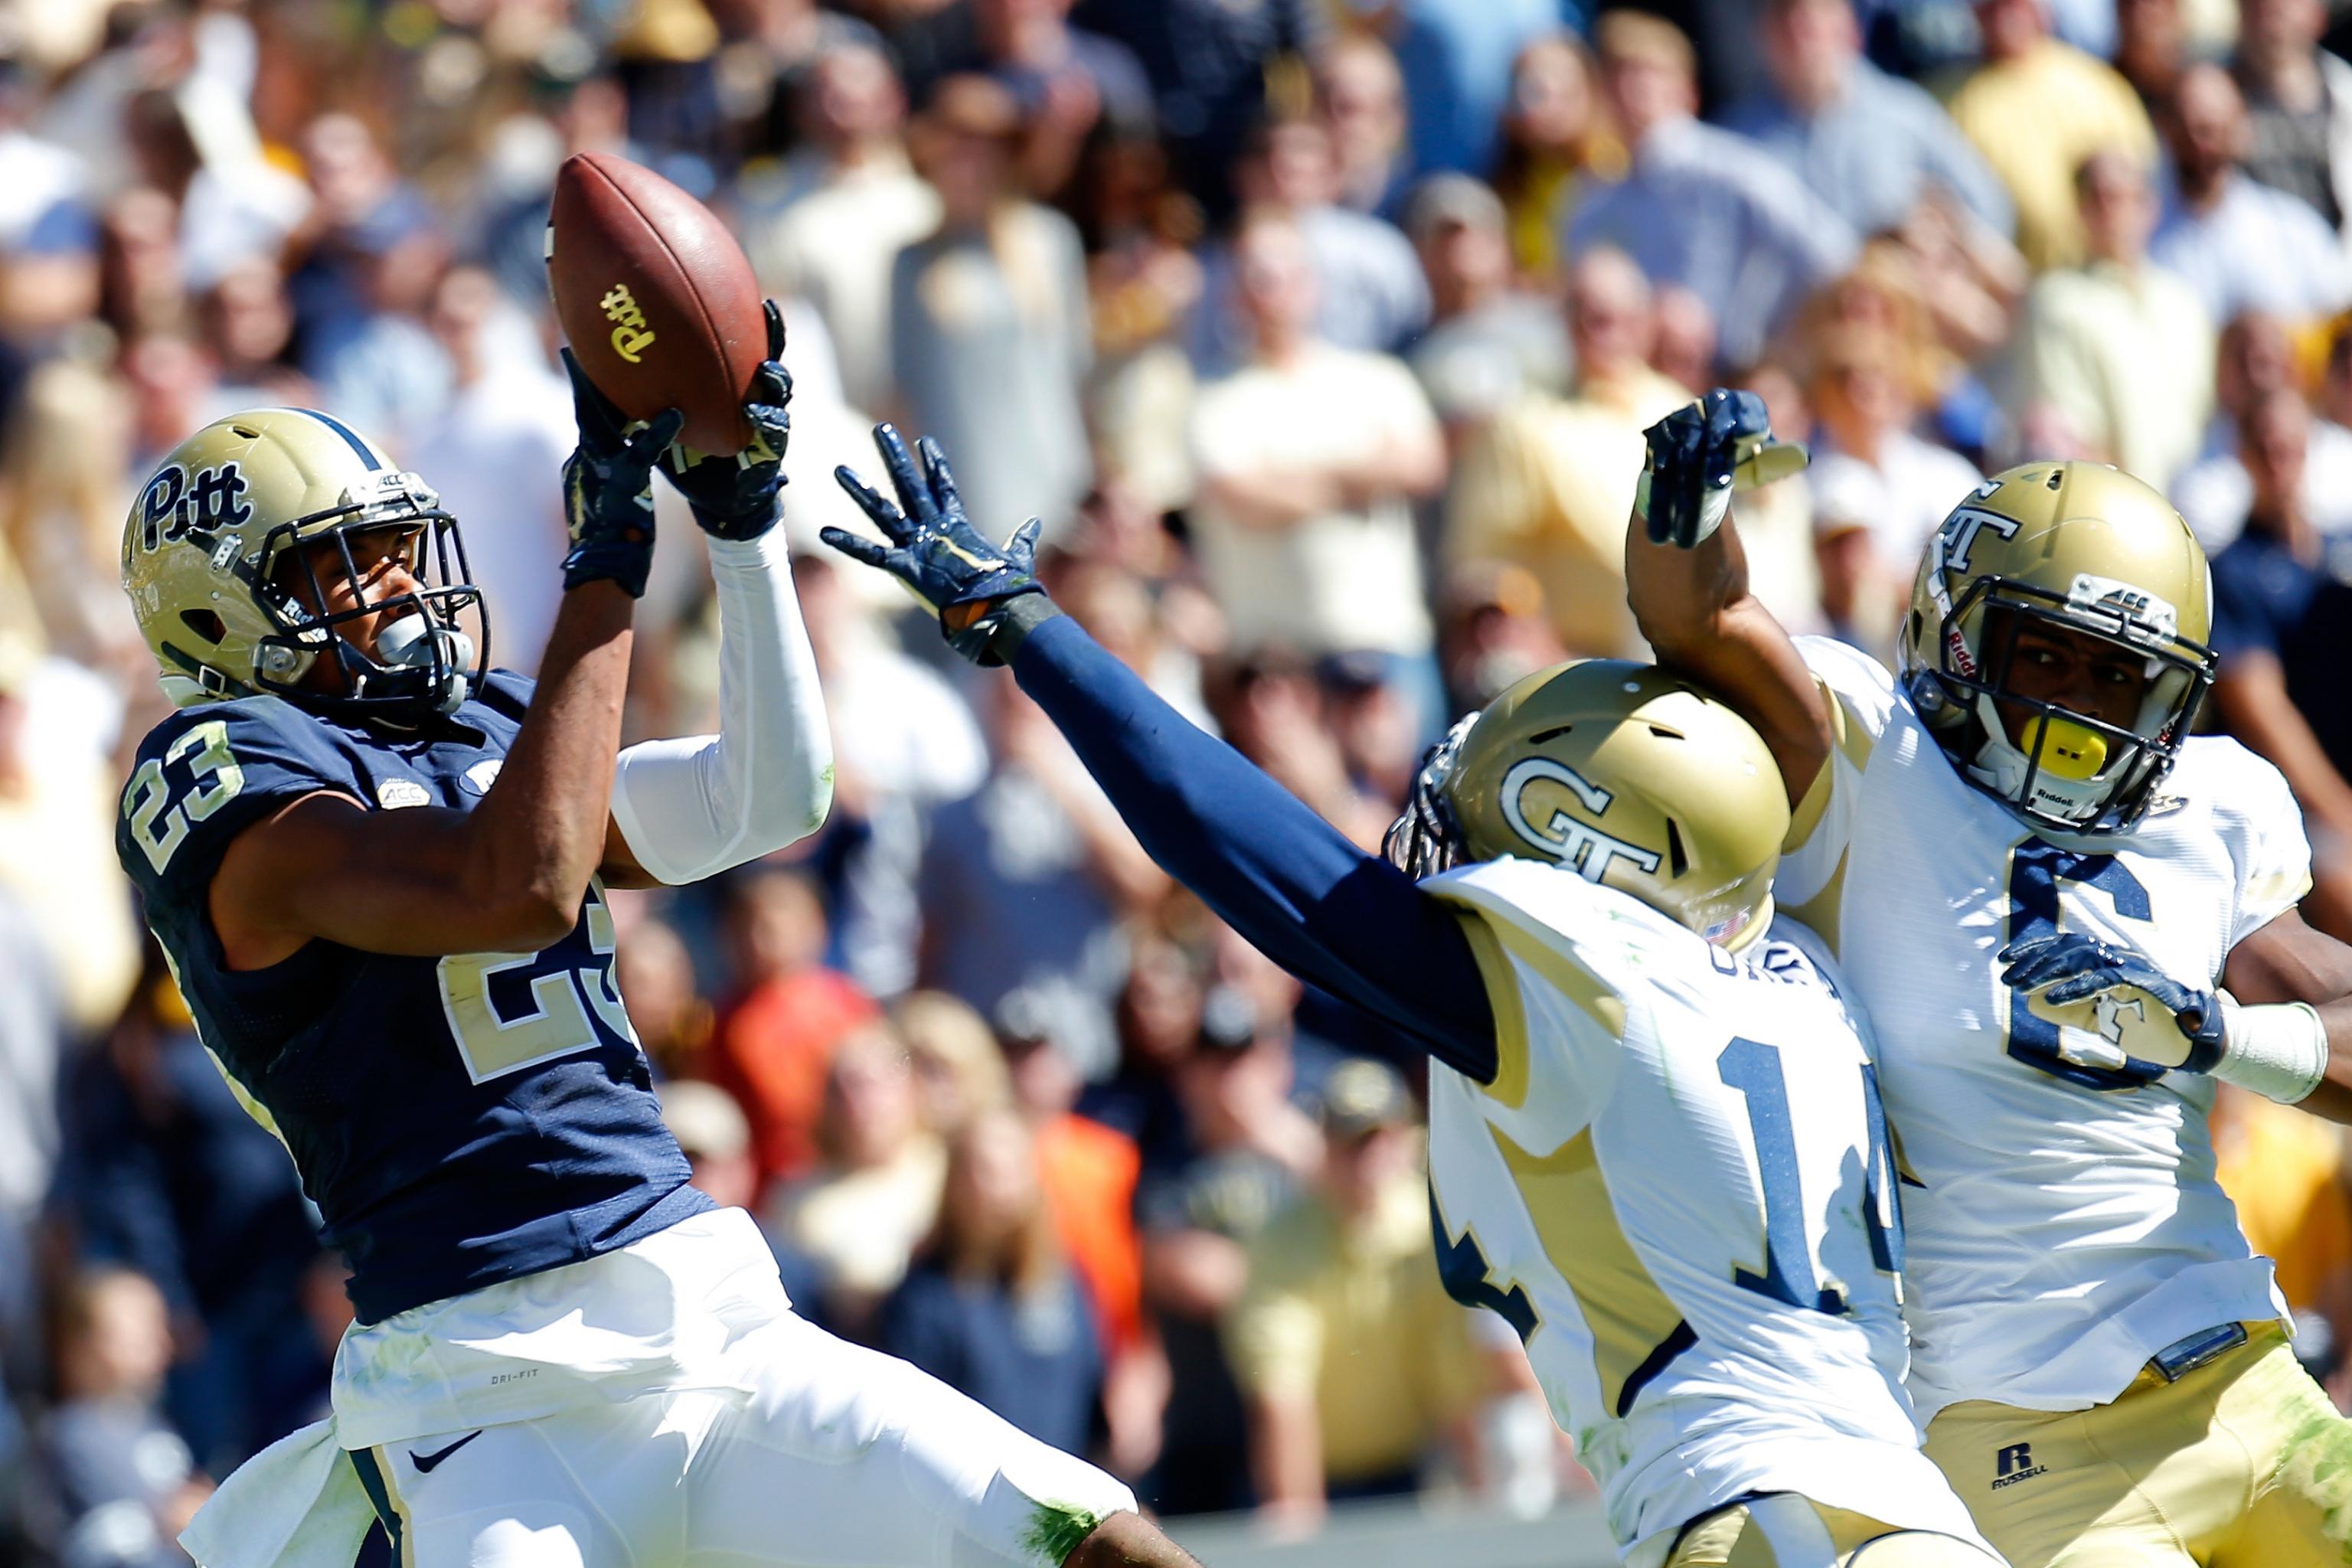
656, 297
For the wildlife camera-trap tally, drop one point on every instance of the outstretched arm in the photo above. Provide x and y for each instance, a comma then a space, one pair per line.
1276, 872
1687, 578
686, 809
1272, 869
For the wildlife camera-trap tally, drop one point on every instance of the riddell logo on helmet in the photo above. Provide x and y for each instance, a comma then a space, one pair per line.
630, 338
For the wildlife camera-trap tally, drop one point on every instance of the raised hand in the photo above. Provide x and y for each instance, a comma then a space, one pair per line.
608, 488
1699, 455
934, 549
736, 498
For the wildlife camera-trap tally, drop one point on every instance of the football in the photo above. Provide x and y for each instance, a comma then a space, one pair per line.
656, 297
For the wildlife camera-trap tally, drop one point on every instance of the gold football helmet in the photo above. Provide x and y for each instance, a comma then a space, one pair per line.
1621, 772
2083, 548
225, 533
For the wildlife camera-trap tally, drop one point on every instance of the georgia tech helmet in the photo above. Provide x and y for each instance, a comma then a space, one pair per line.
221, 559
1621, 772
2083, 548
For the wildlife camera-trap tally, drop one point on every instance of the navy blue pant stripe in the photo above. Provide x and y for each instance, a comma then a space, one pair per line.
372, 1482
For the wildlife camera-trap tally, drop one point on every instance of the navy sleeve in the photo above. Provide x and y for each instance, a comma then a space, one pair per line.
1274, 871
206, 773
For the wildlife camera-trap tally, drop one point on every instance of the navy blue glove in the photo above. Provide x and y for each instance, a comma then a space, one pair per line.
935, 551
608, 489
1699, 455
735, 497
2119, 996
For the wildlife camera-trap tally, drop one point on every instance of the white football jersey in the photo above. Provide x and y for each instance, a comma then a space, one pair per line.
1678, 1189
2062, 1216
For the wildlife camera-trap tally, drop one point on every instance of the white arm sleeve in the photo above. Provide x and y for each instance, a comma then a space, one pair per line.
692, 808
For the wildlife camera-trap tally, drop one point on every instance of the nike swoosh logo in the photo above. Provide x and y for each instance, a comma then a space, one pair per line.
426, 1462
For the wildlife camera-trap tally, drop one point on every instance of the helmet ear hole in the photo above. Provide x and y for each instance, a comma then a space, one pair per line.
206, 624
1678, 862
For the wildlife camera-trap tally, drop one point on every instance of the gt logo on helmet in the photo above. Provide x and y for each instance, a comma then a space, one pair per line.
1575, 844
1960, 531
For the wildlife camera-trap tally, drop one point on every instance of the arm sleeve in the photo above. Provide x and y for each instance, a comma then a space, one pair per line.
692, 808
1270, 867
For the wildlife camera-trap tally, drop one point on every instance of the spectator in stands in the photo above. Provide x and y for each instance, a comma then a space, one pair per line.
853, 202
957, 1061
1024, 882
247, 324
1867, 144
716, 1139
2282, 614
655, 969
1067, 81
371, 250
1158, 1022
2120, 348
1209, 62
2298, 104
1359, 94
1488, 343
2151, 48
123, 1483
1700, 207
1249, 1149
2241, 244
1370, 295
32, 1051
874, 1193
1549, 484
1457, 58
2037, 109
988, 333
2256, 357
990, 1305
1555, 141
1341, 1282
507, 424
1308, 457
788, 1012
1862, 404
167, 1172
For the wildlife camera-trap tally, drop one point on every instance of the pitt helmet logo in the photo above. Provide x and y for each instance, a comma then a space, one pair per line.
630, 337
1553, 830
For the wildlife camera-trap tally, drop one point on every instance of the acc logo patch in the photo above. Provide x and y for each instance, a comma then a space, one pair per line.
483, 775
394, 794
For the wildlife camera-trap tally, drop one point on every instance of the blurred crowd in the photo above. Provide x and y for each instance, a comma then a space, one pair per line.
1321, 334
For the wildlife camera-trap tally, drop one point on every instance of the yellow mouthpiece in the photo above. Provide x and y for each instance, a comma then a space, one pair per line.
2070, 752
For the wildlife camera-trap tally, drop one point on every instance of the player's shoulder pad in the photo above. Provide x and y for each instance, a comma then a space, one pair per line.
204, 774
1557, 907
504, 691
1863, 688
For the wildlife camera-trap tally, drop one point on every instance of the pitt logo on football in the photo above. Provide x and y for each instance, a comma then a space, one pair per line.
1553, 830
630, 338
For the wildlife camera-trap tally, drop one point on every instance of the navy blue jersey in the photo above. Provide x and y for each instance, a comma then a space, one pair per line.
457, 1120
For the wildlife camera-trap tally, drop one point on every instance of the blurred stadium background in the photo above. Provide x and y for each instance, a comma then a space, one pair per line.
1321, 333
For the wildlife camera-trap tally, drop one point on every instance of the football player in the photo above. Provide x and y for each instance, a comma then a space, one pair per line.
378, 869
1655, 1143
2039, 881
